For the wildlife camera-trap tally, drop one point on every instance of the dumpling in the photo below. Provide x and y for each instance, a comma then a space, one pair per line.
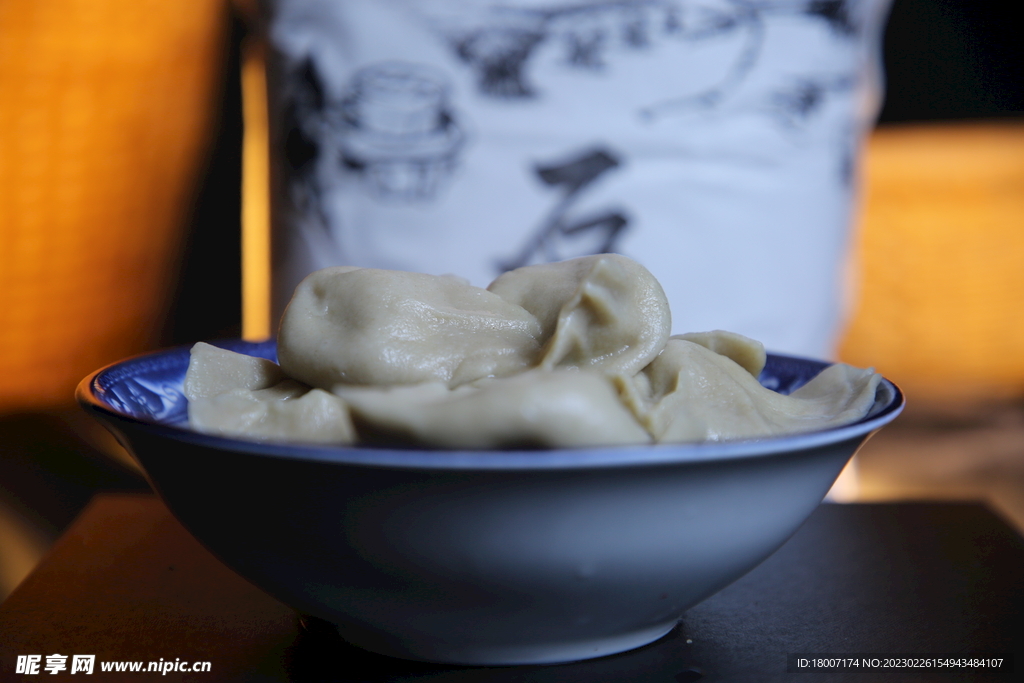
604, 312
535, 409
288, 411
377, 327
213, 370
231, 394
690, 393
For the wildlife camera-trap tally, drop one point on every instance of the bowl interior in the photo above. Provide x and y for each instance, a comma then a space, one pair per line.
146, 392
149, 387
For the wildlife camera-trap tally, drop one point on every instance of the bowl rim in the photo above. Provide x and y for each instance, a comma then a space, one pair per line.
890, 402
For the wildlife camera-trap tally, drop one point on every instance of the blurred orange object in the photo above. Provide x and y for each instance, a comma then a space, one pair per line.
106, 111
256, 323
940, 261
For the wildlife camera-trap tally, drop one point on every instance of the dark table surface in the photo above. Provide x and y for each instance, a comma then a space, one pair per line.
126, 583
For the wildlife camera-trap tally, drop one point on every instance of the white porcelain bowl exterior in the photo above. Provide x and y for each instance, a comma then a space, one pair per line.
480, 557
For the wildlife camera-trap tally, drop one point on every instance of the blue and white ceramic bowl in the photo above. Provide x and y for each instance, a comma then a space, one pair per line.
480, 557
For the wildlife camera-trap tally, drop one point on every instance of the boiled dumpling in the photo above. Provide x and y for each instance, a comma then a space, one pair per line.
288, 411
377, 327
213, 370
231, 394
535, 409
691, 393
604, 312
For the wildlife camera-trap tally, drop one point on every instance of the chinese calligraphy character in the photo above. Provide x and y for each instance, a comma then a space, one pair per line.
561, 235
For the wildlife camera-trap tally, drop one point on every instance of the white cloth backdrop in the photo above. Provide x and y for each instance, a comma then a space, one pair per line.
715, 141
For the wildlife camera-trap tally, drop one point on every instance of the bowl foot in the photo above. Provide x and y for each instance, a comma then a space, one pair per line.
476, 654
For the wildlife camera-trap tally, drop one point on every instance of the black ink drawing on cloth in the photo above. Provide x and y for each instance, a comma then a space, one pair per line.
499, 45
562, 235
398, 130
394, 129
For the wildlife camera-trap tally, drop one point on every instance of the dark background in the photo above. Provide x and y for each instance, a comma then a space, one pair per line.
953, 59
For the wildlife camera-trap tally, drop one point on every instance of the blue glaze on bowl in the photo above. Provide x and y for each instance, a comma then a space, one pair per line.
480, 557
148, 389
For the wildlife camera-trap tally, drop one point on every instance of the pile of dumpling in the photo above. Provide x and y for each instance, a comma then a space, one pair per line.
567, 354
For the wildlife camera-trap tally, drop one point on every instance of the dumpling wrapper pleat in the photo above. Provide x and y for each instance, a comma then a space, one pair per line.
748, 353
605, 312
